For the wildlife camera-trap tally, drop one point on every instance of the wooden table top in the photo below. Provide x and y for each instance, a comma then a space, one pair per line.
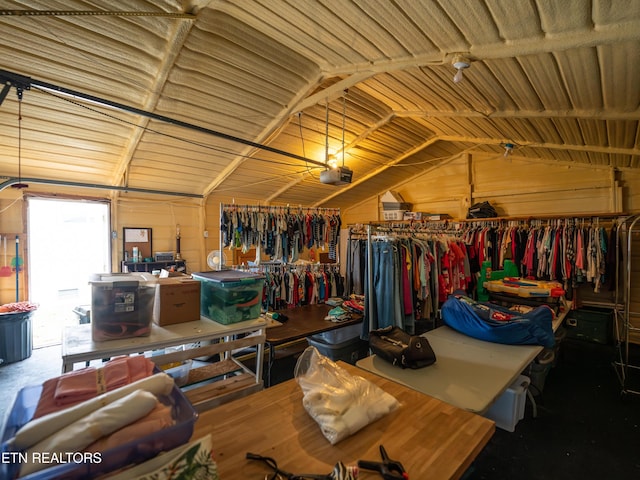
432, 439
305, 321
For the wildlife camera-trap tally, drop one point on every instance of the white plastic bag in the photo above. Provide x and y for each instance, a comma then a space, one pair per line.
339, 402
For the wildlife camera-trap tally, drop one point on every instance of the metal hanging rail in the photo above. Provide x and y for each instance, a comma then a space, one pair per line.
624, 327
22, 82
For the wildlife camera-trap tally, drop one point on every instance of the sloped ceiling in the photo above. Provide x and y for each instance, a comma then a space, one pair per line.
210, 83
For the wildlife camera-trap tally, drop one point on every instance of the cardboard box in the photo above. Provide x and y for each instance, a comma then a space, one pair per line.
177, 301
393, 215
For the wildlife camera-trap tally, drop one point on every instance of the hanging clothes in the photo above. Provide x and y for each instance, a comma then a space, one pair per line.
279, 232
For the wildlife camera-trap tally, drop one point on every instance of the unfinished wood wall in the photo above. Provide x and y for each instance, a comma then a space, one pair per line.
515, 186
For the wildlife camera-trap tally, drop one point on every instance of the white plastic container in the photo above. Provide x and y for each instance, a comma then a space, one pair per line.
180, 374
508, 409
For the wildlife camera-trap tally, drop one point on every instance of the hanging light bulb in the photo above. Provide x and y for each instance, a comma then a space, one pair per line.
460, 63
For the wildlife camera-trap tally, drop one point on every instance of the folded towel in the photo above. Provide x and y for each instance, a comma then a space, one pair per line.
80, 385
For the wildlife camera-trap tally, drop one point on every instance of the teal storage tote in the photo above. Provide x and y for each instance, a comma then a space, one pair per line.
230, 296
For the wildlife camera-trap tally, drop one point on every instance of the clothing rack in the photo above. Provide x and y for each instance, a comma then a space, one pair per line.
282, 232
625, 328
462, 227
418, 242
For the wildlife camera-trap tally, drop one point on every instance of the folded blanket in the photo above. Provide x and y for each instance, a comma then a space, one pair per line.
37, 429
77, 386
160, 417
80, 434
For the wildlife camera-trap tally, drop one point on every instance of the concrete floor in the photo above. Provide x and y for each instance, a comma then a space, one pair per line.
44, 363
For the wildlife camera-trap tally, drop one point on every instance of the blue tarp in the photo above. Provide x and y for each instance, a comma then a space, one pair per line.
497, 324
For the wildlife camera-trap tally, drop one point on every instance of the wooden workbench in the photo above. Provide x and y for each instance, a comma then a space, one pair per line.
431, 438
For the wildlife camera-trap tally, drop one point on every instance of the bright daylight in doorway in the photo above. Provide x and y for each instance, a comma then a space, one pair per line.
67, 241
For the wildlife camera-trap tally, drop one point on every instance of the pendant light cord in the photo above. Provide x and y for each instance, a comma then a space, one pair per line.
19, 137
19, 185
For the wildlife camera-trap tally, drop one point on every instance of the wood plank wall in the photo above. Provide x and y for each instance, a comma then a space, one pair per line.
515, 186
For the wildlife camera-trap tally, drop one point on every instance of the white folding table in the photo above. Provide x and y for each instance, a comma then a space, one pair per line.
469, 373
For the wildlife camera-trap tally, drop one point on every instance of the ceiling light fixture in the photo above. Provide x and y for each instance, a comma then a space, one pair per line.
508, 148
460, 63
334, 175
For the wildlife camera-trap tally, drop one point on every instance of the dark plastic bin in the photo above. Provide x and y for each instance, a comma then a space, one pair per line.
591, 324
16, 341
341, 344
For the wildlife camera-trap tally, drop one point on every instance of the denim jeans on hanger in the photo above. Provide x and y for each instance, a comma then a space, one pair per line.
355, 275
385, 286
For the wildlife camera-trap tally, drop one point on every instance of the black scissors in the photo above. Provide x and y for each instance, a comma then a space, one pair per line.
389, 469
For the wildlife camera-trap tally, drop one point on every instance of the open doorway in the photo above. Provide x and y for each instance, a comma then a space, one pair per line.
68, 241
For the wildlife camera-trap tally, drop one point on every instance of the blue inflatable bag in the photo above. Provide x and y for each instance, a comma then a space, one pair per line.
493, 323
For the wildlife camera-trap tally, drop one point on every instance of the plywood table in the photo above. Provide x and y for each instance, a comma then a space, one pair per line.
433, 440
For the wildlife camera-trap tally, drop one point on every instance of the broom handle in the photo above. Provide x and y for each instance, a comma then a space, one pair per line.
17, 270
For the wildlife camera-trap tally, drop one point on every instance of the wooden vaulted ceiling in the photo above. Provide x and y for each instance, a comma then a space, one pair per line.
558, 80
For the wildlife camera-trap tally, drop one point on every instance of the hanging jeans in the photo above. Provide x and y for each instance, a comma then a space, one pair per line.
385, 291
357, 252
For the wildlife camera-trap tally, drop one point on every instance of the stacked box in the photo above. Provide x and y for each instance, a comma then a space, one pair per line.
393, 215
230, 296
177, 300
121, 305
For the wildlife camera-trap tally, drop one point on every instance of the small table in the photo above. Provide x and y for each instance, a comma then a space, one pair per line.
430, 438
469, 373
302, 322
77, 346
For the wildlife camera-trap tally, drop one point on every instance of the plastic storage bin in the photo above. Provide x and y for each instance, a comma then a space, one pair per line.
591, 324
180, 373
16, 339
508, 409
133, 452
230, 296
121, 305
341, 344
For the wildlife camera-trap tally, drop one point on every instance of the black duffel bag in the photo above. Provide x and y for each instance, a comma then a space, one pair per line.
399, 348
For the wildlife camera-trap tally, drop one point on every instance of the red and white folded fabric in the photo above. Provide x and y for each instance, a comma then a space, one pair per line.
80, 385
